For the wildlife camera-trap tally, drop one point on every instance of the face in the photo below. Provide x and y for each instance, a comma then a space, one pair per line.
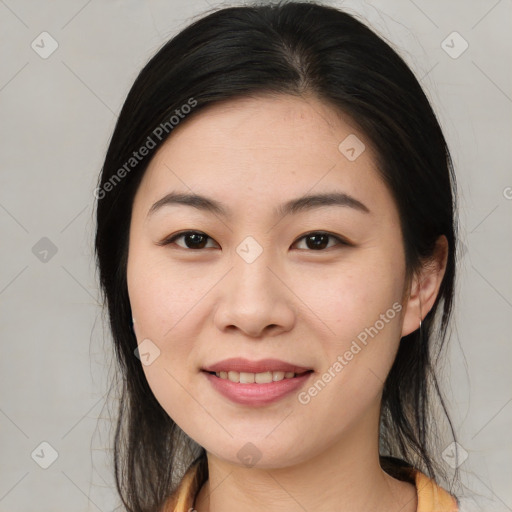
314, 291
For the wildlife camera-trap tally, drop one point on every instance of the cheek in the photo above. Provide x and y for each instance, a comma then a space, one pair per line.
362, 314
162, 301
170, 304
353, 295
160, 294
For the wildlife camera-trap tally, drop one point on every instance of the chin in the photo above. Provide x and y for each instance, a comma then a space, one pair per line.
260, 453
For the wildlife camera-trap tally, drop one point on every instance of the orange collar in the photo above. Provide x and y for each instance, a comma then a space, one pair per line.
432, 497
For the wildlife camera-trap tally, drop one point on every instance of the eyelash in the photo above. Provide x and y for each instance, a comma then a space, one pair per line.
176, 236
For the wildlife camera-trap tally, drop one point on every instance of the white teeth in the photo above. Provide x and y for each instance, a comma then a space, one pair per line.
246, 378
263, 378
258, 378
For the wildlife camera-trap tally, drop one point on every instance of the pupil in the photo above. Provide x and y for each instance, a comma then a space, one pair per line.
318, 245
196, 239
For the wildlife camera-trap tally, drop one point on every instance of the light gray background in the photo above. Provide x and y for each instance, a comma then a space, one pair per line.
57, 115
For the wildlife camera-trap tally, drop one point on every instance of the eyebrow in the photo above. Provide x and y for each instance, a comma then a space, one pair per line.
300, 204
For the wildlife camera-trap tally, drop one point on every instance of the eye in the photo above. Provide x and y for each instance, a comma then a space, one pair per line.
192, 239
318, 240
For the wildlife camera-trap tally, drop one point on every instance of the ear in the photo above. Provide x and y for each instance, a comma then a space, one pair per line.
424, 287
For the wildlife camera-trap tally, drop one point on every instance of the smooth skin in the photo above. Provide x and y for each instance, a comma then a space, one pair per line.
295, 302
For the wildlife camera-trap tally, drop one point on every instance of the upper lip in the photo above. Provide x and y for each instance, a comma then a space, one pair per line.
238, 364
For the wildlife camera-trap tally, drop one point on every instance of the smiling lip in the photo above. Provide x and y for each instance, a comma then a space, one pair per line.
256, 394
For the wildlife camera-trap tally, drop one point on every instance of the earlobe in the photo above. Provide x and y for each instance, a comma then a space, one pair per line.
424, 288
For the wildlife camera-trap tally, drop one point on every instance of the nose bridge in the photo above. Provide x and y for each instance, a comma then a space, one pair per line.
252, 273
254, 298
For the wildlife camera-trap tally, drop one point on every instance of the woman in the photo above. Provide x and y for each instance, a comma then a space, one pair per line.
276, 240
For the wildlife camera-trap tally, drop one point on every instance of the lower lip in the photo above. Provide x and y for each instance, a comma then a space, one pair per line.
257, 394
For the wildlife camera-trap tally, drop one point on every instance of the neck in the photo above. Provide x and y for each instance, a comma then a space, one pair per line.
345, 477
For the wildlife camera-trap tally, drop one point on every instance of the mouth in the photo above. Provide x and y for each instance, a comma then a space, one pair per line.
256, 383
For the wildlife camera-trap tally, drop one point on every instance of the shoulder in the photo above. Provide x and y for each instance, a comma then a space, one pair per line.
432, 497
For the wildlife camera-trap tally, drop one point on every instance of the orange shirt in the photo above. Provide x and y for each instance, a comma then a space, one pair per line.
431, 497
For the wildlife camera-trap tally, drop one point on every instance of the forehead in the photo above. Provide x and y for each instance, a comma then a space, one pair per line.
279, 127
251, 151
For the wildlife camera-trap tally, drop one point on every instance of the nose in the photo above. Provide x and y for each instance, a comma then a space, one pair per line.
255, 300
